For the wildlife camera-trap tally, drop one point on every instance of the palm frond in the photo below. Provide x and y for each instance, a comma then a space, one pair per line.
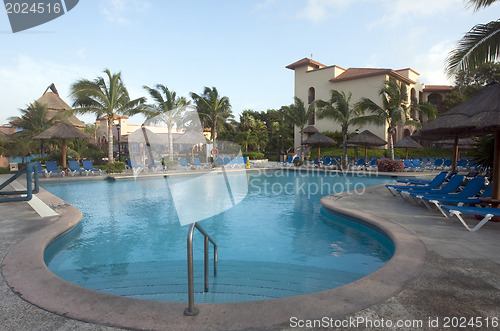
478, 4
480, 45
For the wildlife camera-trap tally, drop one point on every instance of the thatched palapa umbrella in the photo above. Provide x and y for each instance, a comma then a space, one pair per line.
62, 131
477, 116
365, 139
407, 142
319, 139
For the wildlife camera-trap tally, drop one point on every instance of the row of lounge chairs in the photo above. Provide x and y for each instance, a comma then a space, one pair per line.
450, 193
73, 168
233, 162
415, 164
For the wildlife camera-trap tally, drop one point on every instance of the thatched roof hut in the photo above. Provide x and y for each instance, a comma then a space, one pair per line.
55, 104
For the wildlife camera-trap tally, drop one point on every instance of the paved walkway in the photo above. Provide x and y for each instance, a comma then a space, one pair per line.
461, 278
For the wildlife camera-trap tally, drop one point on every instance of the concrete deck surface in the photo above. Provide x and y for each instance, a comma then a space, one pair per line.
461, 276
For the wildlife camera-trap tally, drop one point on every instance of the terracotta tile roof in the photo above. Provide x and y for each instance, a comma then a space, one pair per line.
438, 88
357, 73
304, 62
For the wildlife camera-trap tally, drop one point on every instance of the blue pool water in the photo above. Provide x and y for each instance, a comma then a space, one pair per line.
277, 242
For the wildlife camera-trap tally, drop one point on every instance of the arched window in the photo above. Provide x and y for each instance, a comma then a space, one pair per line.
413, 97
406, 133
311, 95
435, 99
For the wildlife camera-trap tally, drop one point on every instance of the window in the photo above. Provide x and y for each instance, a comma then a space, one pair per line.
311, 95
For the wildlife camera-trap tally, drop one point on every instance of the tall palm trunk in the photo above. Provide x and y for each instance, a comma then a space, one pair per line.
391, 144
344, 147
301, 143
110, 139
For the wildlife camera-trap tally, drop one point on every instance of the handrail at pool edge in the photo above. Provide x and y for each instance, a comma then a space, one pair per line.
191, 311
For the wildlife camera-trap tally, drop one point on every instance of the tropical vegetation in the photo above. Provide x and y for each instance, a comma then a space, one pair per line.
395, 110
480, 45
340, 110
297, 114
105, 96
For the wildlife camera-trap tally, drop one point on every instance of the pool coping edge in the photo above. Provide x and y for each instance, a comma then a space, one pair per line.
26, 273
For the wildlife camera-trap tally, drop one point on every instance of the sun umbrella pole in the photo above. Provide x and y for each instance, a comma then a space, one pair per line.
64, 153
455, 154
496, 168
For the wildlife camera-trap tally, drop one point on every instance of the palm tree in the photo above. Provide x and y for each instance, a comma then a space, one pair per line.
394, 110
339, 109
34, 120
169, 109
480, 45
104, 98
298, 115
214, 110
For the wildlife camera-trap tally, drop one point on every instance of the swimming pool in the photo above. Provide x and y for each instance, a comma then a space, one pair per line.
277, 242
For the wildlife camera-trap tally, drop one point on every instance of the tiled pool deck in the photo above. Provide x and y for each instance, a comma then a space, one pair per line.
441, 271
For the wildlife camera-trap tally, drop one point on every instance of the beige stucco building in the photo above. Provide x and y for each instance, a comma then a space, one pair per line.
314, 81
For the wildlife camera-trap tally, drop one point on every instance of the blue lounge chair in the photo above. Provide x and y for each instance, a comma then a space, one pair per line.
409, 166
185, 165
89, 167
134, 167
288, 162
471, 200
486, 213
435, 183
74, 167
51, 167
38, 167
451, 186
415, 181
470, 190
200, 165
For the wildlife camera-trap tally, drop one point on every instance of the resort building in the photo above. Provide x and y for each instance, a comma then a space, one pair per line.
314, 81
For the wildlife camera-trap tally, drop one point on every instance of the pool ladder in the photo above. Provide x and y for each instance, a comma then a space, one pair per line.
191, 310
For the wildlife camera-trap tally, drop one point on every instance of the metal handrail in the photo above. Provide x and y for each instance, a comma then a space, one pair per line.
191, 311
31, 180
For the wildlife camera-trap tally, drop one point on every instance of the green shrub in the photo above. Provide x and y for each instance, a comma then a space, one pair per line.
253, 155
4, 171
388, 165
113, 168
298, 162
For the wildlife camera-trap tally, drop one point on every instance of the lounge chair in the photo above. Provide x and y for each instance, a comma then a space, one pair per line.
89, 168
74, 167
134, 167
433, 184
38, 167
470, 190
185, 165
486, 213
415, 181
288, 162
51, 167
200, 165
451, 186
471, 200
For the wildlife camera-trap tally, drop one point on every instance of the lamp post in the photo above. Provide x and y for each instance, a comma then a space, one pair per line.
279, 149
356, 148
118, 127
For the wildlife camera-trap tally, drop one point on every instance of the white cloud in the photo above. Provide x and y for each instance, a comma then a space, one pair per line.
401, 11
430, 64
26, 80
123, 11
317, 11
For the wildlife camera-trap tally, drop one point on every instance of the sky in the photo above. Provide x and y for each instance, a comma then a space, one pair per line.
241, 47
